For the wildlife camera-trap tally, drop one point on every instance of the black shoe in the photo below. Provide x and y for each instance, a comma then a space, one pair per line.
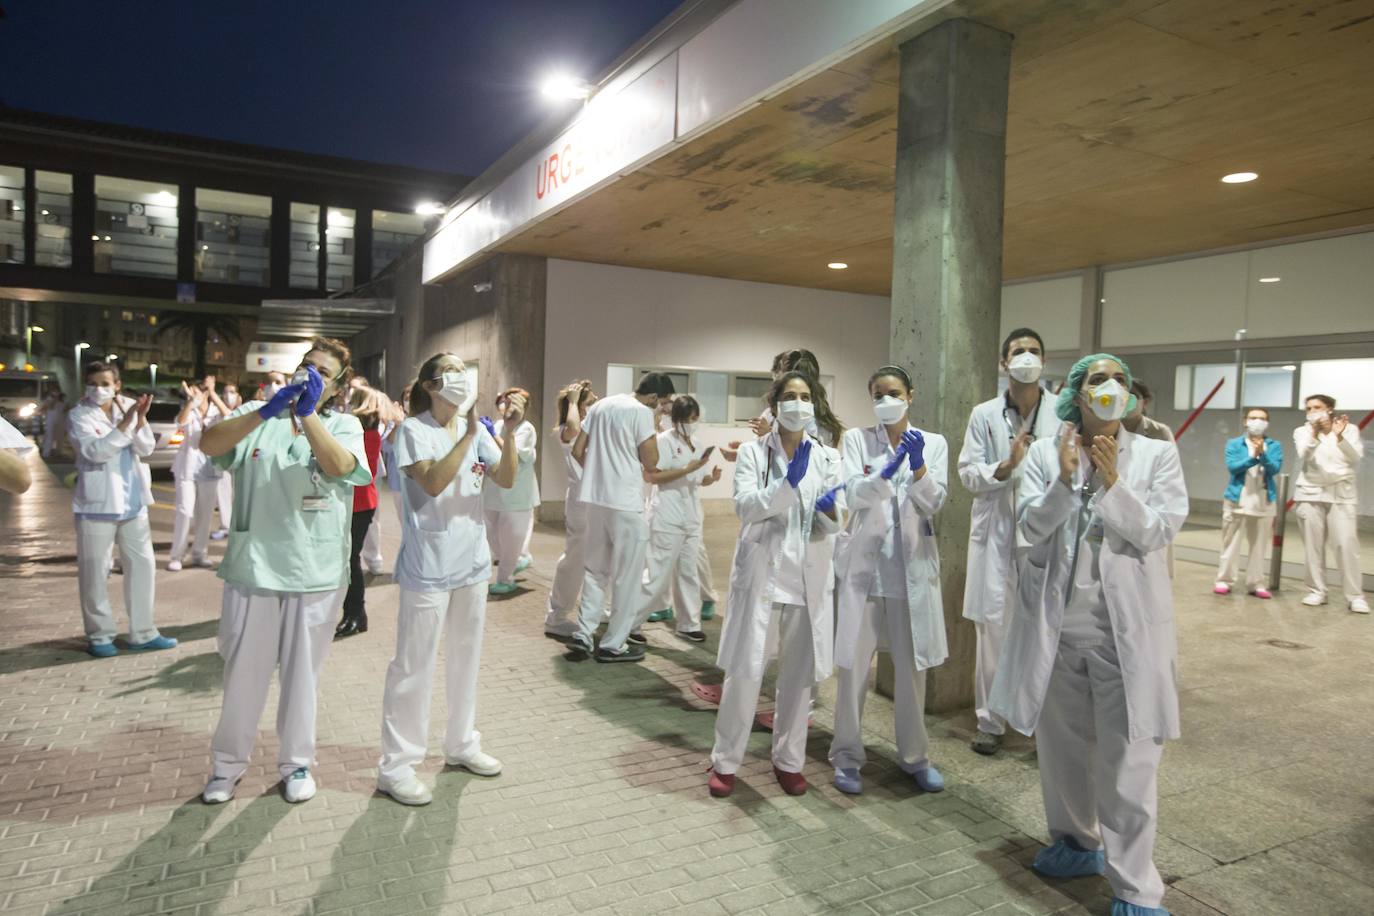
694, 636
639, 639
631, 653
581, 645
350, 626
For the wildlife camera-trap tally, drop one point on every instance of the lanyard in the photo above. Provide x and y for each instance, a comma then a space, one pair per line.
1007, 405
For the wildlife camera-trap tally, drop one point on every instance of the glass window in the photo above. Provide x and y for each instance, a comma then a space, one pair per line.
392, 233
1192, 384
233, 237
11, 214
53, 247
1269, 386
338, 268
748, 397
305, 246
135, 227
713, 394
1349, 381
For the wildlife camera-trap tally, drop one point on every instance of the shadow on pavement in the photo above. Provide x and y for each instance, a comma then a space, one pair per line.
192, 674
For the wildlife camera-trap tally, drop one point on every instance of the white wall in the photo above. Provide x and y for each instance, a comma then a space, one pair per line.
1053, 307
598, 315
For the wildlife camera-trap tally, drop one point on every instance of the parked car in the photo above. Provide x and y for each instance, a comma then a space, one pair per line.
21, 398
162, 418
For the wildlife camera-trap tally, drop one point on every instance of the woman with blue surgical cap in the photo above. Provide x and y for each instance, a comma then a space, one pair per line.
1090, 657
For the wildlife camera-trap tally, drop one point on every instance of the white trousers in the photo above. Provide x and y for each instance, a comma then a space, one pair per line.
224, 492
672, 575
506, 537
616, 542
424, 620
1099, 786
525, 557
195, 506
372, 544
739, 699
1257, 531
704, 575
888, 616
990, 639
261, 631
94, 542
570, 575
1324, 523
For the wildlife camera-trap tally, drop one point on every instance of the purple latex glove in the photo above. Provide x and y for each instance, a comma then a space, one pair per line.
827, 501
490, 426
310, 395
895, 464
801, 460
915, 445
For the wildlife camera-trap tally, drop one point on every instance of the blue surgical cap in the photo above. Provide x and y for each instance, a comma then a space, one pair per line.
1066, 408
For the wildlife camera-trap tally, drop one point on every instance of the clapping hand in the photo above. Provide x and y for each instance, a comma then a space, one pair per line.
895, 464
280, 401
827, 501
915, 445
310, 393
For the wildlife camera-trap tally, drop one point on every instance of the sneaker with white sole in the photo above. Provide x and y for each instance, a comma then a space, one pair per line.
219, 790
408, 791
299, 786
479, 763
174, 566
202, 563
1359, 606
1314, 599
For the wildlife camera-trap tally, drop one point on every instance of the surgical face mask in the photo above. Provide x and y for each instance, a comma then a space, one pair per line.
1025, 367
456, 392
1316, 416
301, 377
1108, 400
231, 399
689, 429
271, 388
100, 394
795, 416
1256, 427
889, 410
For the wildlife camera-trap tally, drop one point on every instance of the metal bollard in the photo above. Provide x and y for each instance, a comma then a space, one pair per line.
1280, 518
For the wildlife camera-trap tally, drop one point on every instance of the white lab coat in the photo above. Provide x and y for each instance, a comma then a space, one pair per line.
1141, 515
764, 502
866, 453
992, 530
98, 441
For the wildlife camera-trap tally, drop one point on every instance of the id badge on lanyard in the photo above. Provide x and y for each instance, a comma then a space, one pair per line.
317, 501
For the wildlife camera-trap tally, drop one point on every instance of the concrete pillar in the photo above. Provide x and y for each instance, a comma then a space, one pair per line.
947, 273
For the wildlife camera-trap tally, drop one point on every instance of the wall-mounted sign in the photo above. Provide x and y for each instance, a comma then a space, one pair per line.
275, 356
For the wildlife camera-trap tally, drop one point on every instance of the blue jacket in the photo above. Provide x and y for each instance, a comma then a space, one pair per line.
1239, 462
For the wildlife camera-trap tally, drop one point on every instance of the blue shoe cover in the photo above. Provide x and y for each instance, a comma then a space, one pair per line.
157, 642
102, 649
1122, 908
708, 610
929, 779
1066, 859
847, 781
660, 616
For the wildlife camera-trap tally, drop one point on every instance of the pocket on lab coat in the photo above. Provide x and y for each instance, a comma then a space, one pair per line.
433, 557
1345, 490
92, 487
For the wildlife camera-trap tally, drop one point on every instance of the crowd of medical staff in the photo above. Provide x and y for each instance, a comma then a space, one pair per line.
1077, 498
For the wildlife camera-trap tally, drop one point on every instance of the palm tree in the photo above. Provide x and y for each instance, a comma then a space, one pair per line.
199, 326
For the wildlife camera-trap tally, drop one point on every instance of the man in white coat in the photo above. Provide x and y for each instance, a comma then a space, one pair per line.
1329, 453
995, 443
1091, 653
618, 443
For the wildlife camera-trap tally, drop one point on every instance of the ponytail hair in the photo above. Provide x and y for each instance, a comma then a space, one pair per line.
684, 406
420, 400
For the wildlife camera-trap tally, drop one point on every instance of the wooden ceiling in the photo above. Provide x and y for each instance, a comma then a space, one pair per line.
1123, 117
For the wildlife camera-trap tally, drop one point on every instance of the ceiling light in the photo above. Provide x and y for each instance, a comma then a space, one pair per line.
1270, 279
1239, 177
45, 212
111, 357
204, 247
1290, 368
838, 265
36, 329
95, 238
562, 86
429, 208
107, 238
166, 198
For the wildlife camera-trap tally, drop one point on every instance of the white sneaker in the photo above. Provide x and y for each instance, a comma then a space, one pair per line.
374, 570
299, 786
219, 534
174, 566
409, 791
1314, 599
479, 763
219, 790
1359, 606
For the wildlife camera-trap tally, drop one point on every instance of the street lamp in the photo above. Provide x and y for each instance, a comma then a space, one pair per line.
152, 372
76, 359
29, 331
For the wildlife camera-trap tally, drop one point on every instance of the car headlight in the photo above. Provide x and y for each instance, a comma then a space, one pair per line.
27, 411
175, 439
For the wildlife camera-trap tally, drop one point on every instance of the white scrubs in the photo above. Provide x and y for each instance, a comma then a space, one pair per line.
510, 513
110, 506
616, 533
675, 532
442, 569
570, 575
1252, 516
197, 488
1327, 505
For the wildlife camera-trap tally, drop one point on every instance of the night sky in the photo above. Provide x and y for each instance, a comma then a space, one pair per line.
439, 84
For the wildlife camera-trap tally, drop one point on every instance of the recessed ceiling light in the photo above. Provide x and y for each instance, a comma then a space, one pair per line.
1239, 177
1290, 368
838, 265
1270, 279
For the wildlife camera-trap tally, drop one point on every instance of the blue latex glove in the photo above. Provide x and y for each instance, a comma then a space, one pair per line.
490, 426
915, 445
827, 501
801, 460
896, 462
311, 391
280, 401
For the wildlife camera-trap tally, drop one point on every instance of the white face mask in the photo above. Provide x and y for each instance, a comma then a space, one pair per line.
1256, 427
689, 429
231, 399
795, 416
1316, 416
271, 388
99, 395
456, 392
1108, 400
1025, 367
889, 410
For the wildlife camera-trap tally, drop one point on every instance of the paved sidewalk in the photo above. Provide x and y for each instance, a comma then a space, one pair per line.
602, 807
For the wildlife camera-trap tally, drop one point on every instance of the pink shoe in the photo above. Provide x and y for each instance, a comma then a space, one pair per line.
1261, 593
1221, 588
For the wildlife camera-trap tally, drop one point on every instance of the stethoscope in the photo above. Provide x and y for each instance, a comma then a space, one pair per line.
1007, 408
